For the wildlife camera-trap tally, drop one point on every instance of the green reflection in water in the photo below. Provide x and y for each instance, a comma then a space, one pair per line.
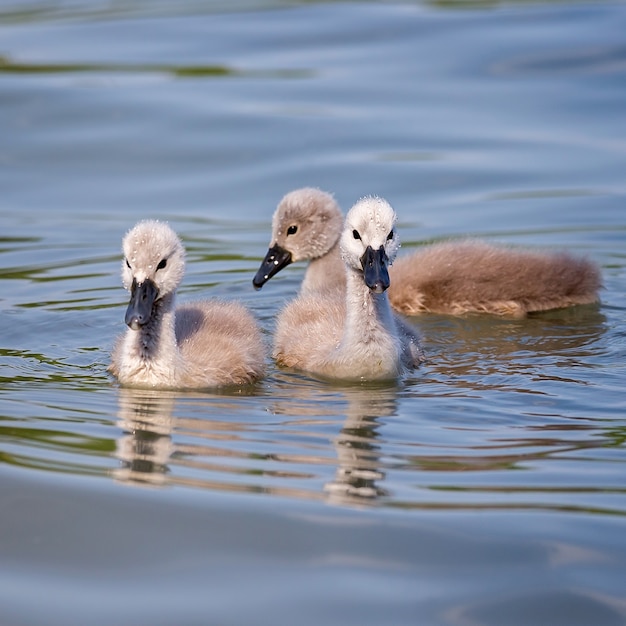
8, 66
13, 436
20, 367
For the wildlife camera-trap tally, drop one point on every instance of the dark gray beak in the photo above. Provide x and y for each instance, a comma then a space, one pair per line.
374, 264
142, 297
274, 261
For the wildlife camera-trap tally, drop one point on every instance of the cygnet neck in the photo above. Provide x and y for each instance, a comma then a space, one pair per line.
370, 331
323, 271
156, 340
367, 312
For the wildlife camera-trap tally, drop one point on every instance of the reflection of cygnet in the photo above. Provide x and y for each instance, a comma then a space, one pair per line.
197, 345
454, 277
355, 336
146, 447
359, 467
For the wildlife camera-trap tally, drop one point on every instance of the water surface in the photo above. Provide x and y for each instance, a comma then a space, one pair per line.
485, 488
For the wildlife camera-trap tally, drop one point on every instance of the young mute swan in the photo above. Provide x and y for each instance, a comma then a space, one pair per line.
454, 277
198, 345
353, 335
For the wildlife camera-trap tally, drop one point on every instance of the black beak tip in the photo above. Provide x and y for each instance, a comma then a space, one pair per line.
142, 298
133, 320
276, 259
134, 324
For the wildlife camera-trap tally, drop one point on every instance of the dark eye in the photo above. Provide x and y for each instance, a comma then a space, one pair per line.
355, 234
127, 264
390, 235
292, 230
162, 264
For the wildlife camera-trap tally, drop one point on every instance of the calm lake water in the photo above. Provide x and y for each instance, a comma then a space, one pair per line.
488, 488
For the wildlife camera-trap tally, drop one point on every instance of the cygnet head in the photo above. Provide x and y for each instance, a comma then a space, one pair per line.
369, 242
153, 266
306, 225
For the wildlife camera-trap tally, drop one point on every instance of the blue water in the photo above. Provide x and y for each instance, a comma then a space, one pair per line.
486, 488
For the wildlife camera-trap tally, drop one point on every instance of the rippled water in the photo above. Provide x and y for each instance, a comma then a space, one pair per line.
486, 488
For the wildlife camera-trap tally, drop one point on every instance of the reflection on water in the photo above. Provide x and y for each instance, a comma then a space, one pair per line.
359, 473
145, 447
319, 441
154, 439
159, 448
8, 66
480, 354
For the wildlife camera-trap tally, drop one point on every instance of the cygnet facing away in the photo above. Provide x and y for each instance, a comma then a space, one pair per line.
353, 335
198, 345
454, 277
